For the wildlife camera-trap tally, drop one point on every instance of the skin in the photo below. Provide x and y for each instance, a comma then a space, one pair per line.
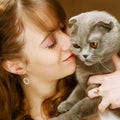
109, 87
47, 61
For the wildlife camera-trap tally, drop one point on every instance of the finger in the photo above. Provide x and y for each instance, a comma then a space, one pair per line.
97, 79
104, 104
116, 61
93, 93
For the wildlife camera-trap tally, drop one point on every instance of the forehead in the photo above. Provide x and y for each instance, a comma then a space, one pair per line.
49, 23
44, 15
44, 20
41, 20
34, 31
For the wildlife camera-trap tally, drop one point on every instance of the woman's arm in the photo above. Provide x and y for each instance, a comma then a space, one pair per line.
109, 87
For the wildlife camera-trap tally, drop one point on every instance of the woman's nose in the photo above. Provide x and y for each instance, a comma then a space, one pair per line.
65, 42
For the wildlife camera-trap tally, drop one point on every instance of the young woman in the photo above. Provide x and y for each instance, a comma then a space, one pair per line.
35, 57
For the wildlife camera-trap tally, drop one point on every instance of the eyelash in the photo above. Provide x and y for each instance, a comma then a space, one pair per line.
52, 46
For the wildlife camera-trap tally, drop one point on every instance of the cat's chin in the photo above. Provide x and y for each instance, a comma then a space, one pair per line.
88, 63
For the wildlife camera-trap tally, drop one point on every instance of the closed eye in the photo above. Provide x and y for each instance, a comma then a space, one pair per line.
50, 41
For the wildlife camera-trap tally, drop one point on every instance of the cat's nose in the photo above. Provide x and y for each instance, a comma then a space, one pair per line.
85, 56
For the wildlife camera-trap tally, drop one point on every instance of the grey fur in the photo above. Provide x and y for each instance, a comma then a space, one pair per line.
95, 38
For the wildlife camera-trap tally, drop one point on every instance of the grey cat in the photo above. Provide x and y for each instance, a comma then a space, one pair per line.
95, 38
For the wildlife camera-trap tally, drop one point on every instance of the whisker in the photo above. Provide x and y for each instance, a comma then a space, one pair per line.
105, 66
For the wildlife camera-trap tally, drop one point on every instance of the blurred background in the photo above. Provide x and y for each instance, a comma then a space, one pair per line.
75, 7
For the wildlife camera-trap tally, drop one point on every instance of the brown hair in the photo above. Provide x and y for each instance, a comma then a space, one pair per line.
12, 14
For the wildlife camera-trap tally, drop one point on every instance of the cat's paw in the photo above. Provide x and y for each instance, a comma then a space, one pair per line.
64, 107
55, 118
64, 116
58, 118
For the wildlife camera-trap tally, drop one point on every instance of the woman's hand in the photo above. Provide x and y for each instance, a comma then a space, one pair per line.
109, 87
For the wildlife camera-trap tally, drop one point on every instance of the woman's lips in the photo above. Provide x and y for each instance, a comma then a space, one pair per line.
71, 57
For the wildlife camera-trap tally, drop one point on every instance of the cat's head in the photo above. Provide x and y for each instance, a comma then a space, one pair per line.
95, 36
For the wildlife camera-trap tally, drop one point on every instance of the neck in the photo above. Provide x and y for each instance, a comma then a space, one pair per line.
36, 92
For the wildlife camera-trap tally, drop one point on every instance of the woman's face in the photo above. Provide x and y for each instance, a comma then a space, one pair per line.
49, 58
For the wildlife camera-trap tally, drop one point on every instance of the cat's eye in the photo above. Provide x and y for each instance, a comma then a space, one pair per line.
93, 44
75, 45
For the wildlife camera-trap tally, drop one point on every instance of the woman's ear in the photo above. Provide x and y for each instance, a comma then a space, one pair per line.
15, 66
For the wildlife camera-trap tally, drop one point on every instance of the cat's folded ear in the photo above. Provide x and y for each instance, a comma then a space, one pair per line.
103, 27
72, 21
73, 24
